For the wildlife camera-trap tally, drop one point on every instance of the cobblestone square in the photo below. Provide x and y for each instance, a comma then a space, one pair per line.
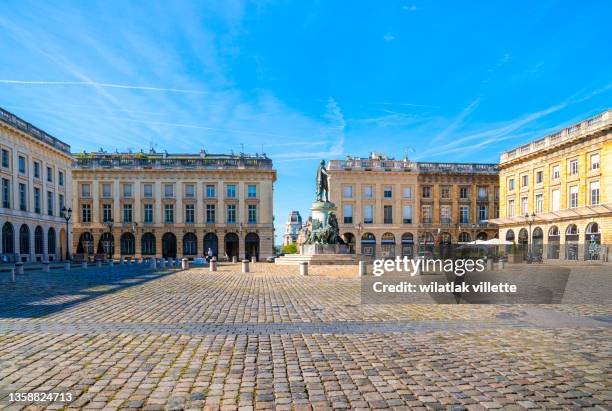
137, 339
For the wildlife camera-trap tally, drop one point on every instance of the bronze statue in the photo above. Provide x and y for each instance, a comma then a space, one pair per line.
322, 186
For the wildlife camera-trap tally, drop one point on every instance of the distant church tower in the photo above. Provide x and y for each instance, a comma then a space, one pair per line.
293, 227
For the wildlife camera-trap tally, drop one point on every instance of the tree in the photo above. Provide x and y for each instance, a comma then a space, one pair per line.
290, 248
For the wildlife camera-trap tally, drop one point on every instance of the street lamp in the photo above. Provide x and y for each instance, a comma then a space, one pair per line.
67, 213
109, 223
530, 220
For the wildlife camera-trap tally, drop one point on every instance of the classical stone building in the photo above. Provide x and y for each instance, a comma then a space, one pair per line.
292, 227
36, 184
390, 207
173, 205
556, 192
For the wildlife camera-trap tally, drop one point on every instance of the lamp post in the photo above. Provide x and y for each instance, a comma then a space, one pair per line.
67, 213
530, 220
109, 223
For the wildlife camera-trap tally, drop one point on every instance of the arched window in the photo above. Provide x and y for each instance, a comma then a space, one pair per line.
387, 245
8, 238
127, 244
86, 244
147, 244
509, 235
190, 244
482, 236
231, 245
51, 247
251, 245
211, 242
368, 244
465, 237
24, 239
169, 245
38, 240
106, 245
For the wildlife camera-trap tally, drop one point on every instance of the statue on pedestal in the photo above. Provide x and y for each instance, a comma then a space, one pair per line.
322, 185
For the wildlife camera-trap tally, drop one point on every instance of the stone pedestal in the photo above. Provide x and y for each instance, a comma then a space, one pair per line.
45, 266
362, 268
185, 264
245, 266
303, 268
213, 265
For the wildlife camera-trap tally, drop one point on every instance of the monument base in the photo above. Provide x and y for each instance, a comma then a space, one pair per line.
318, 259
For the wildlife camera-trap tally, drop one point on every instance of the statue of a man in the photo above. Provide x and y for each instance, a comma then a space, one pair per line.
322, 186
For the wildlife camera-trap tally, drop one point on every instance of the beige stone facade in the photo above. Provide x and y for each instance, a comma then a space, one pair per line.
392, 207
35, 184
562, 184
173, 205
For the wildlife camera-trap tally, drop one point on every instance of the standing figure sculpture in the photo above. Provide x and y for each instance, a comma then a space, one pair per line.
322, 185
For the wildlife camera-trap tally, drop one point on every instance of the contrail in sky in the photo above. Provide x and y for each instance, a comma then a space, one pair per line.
95, 83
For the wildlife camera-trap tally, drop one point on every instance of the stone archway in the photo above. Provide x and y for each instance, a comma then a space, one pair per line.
232, 243
251, 246
169, 245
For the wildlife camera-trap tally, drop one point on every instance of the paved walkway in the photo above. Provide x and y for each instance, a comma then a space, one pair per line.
273, 340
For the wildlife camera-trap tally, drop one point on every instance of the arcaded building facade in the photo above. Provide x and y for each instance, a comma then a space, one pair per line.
389, 208
35, 183
556, 192
173, 205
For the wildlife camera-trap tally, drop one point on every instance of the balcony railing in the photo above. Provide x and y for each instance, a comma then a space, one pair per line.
404, 165
92, 161
569, 133
14, 121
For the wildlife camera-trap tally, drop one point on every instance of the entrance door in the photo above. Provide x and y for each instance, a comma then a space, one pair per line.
169, 246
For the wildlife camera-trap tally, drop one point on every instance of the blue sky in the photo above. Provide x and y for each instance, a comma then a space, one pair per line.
443, 81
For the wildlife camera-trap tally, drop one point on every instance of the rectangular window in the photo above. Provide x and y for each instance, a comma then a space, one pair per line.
445, 192
6, 162
539, 177
407, 214
347, 210
189, 191
127, 213
524, 205
368, 214
168, 213
574, 167
49, 174
573, 197
62, 204
252, 191
464, 193
23, 197
483, 214
107, 213
464, 215
210, 214
388, 214
426, 214
230, 191
36, 169
348, 192
511, 208
445, 215
127, 191
189, 213
37, 200
595, 193
106, 190
148, 190
388, 192
252, 214
6, 193
148, 213
524, 181
511, 184
594, 161
50, 201
61, 178
496, 192
86, 213
231, 213
211, 191
407, 192
426, 192
22, 165
539, 203
368, 192
168, 190
482, 193
556, 200
556, 172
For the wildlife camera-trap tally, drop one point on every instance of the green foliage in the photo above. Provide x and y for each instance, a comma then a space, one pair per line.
290, 248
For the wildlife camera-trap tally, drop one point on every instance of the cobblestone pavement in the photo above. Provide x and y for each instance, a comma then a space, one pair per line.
193, 339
